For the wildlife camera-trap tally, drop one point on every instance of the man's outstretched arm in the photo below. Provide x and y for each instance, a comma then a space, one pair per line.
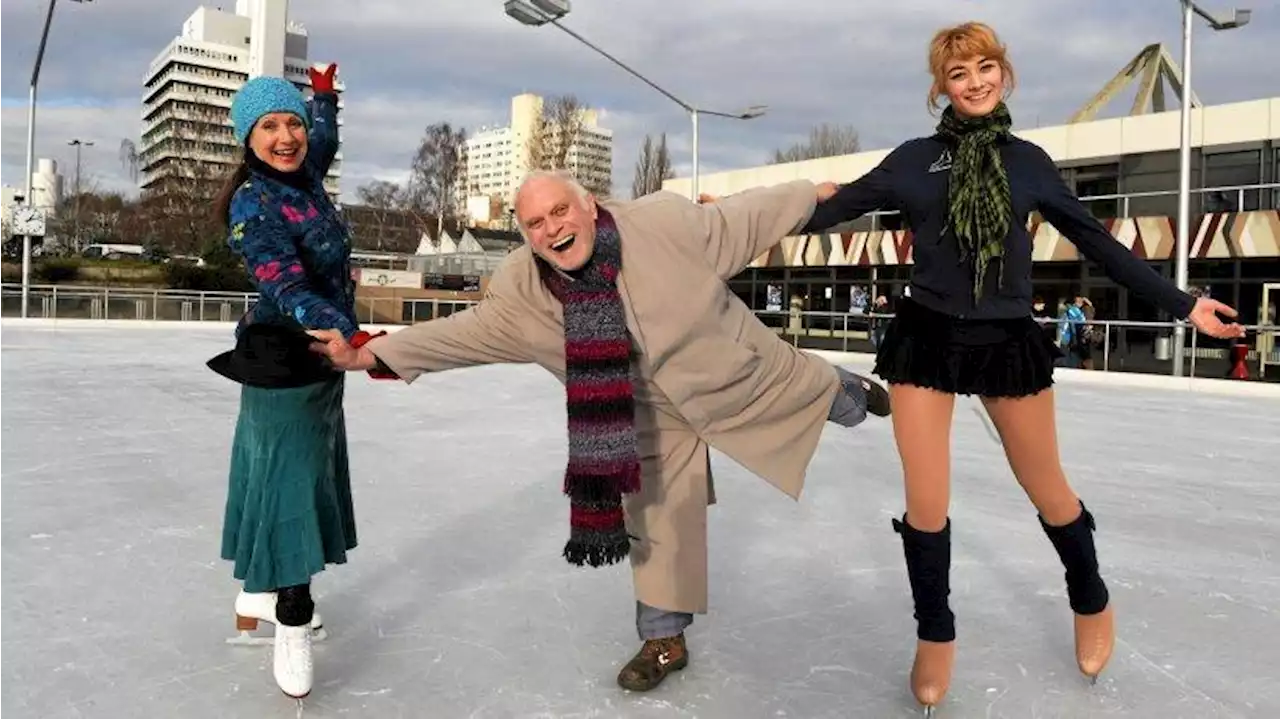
743, 226
486, 333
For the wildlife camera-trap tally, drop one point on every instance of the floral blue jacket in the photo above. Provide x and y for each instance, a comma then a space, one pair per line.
295, 244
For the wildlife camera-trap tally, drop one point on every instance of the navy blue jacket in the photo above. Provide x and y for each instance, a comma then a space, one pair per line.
913, 180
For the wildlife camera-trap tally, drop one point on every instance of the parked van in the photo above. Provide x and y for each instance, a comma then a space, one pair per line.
113, 252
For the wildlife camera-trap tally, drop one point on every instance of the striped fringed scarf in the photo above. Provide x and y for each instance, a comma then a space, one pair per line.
979, 204
603, 461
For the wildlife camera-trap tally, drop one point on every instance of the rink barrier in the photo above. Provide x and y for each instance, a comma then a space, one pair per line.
853, 360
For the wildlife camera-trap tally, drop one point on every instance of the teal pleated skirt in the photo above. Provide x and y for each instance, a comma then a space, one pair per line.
289, 510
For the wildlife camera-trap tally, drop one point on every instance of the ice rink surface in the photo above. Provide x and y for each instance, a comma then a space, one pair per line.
457, 604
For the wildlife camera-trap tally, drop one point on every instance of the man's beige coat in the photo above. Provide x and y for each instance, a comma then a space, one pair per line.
707, 372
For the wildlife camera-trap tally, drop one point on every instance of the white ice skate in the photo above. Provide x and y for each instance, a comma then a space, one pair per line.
261, 606
292, 661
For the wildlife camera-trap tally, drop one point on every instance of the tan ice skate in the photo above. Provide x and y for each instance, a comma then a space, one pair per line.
931, 672
1095, 640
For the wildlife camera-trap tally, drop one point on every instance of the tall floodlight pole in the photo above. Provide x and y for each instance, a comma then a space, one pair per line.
536, 13
1182, 247
31, 151
78, 143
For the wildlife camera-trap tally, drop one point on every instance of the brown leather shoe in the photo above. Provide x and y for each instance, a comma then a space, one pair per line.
655, 660
877, 397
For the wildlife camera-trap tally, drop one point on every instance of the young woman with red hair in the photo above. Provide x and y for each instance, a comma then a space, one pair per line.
967, 328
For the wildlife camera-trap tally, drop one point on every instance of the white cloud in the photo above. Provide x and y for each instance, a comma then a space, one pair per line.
408, 65
100, 165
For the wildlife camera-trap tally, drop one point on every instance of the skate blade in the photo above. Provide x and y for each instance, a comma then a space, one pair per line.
245, 639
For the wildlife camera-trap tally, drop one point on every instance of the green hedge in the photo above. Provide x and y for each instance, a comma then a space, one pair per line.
209, 279
174, 275
54, 271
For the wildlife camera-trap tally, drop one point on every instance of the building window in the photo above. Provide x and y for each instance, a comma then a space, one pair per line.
1098, 181
1231, 170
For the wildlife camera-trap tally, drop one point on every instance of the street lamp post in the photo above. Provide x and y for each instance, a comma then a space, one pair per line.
536, 13
78, 143
1239, 18
31, 151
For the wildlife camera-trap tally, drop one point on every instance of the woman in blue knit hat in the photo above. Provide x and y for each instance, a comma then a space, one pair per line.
289, 510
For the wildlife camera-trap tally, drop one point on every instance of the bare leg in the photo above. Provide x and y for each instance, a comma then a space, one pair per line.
1029, 433
1028, 429
922, 429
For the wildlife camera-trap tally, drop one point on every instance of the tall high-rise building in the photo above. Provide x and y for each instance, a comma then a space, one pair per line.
498, 157
186, 145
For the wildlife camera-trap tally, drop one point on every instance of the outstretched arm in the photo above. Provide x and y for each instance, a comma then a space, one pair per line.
872, 191
1067, 214
739, 228
260, 235
485, 333
322, 140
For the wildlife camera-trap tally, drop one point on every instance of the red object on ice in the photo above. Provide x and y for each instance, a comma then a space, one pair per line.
1239, 354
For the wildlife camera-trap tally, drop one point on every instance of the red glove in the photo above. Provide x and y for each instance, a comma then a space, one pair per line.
322, 81
360, 339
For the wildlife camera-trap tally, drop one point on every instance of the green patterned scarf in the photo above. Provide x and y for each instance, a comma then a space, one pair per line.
978, 202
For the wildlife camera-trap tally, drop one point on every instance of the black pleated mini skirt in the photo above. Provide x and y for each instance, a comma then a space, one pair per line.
983, 357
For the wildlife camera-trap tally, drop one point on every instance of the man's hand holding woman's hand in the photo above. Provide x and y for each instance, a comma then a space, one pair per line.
341, 353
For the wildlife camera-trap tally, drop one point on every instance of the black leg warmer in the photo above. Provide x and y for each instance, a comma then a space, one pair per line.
928, 557
1074, 544
294, 607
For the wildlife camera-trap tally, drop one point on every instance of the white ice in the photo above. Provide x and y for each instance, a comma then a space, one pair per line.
457, 604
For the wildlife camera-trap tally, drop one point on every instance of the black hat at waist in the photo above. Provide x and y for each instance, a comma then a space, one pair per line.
273, 356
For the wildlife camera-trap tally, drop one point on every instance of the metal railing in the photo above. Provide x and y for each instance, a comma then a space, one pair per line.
456, 263
1236, 192
122, 303
1231, 198
1125, 345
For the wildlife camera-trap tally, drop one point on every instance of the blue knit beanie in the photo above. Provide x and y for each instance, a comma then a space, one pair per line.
262, 96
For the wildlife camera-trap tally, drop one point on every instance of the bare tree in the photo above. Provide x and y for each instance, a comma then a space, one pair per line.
383, 204
438, 174
652, 168
559, 141
381, 194
129, 158
824, 141
80, 214
556, 130
181, 175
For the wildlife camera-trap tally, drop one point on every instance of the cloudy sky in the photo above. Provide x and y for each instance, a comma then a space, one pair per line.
409, 63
